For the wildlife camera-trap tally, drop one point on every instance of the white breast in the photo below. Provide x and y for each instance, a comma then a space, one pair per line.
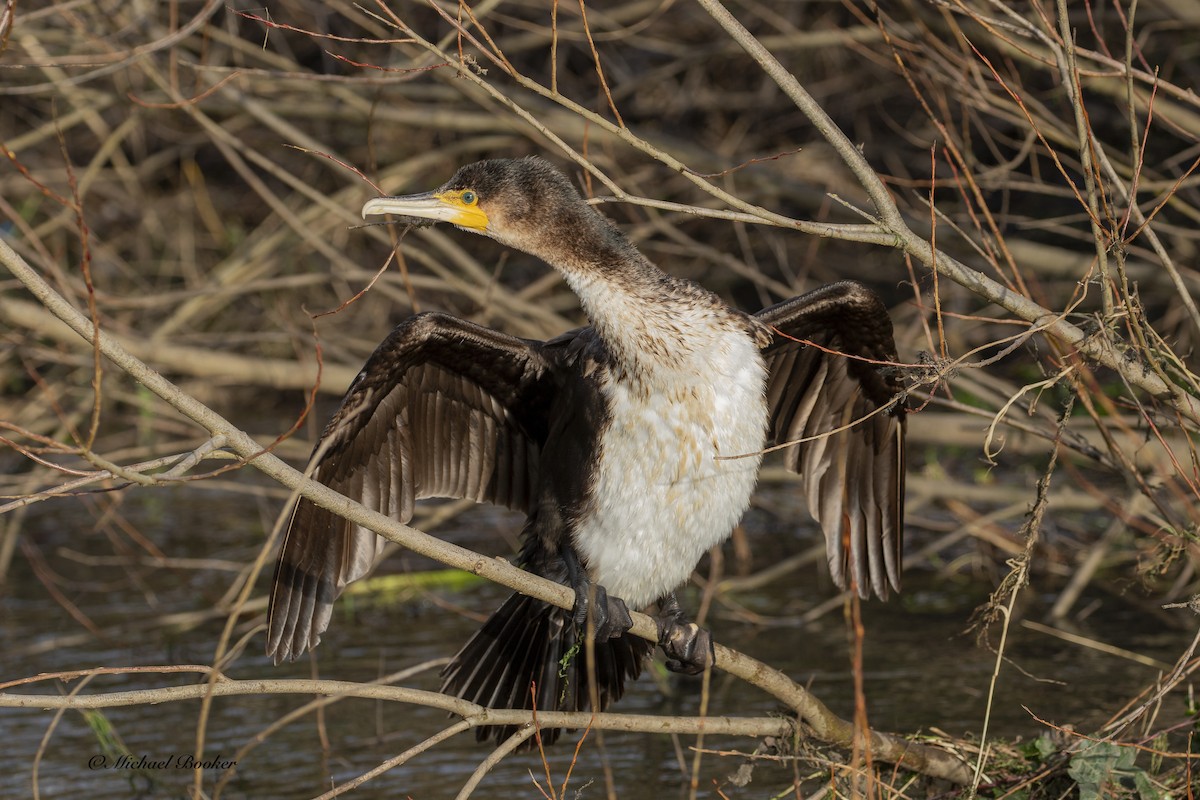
669, 485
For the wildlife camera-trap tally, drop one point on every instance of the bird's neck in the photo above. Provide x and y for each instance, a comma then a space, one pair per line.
651, 324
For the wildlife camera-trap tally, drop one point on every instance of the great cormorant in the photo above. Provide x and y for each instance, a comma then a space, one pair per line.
633, 445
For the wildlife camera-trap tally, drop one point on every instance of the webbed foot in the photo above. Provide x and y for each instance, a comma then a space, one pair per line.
688, 647
608, 614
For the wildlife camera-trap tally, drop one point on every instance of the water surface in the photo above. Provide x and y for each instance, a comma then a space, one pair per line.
922, 672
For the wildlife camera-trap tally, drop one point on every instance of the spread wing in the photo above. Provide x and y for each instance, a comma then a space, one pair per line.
846, 420
442, 408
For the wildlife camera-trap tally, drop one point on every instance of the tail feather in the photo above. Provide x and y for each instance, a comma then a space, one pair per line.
528, 643
508, 640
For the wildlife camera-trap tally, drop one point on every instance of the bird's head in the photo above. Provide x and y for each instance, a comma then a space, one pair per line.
523, 203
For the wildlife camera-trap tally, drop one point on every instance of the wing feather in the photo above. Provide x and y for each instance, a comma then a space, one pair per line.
443, 408
844, 415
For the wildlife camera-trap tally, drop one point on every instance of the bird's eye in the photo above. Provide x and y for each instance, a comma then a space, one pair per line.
468, 197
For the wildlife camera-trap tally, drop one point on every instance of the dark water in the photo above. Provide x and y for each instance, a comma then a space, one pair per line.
921, 671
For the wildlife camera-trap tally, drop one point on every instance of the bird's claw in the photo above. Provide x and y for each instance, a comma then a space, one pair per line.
688, 647
609, 614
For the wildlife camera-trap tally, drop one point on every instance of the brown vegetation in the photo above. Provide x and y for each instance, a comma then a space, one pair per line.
1019, 180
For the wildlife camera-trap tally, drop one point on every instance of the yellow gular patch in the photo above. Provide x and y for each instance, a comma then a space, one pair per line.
466, 210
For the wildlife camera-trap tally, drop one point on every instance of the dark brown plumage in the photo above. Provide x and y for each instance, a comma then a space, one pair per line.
614, 439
